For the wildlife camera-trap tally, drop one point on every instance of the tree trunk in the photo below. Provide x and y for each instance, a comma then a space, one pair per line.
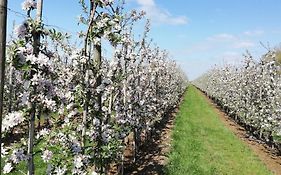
98, 59
36, 50
86, 53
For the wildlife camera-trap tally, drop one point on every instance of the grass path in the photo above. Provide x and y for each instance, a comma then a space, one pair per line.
202, 145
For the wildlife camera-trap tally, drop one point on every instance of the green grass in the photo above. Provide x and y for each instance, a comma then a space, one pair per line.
202, 145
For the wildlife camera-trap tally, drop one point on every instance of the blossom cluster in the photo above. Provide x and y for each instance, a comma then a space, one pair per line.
11, 120
29, 5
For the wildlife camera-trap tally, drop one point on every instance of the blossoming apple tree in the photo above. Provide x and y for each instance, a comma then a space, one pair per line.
83, 104
250, 94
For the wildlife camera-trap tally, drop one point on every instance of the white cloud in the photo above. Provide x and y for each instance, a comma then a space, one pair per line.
159, 15
276, 31
222, 37
254, 33
146, 2
230, 57
233, 41
226, 57
244, 44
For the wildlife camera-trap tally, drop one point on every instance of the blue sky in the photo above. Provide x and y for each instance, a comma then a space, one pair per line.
197, 33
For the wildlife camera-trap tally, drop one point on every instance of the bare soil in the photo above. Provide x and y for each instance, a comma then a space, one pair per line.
266, 154
153, 155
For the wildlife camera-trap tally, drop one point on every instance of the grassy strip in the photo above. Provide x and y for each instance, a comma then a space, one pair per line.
203, 145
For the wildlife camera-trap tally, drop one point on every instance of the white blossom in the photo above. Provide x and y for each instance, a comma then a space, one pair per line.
7, 168
43, 133
4, 151
78, 162
17, 156
60, 171
47, 155
11, 120
41, 59
20, 30
49, 104
94, 173
29, 4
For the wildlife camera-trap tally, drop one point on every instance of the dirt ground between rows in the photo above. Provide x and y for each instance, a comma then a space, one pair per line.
153, 155
263, 151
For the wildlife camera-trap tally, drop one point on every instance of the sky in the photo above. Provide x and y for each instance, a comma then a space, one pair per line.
198, 33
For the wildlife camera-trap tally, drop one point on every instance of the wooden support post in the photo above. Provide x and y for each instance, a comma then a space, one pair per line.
3, 31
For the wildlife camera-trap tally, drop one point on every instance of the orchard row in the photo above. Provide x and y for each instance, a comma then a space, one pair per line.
250, 93
68, 109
